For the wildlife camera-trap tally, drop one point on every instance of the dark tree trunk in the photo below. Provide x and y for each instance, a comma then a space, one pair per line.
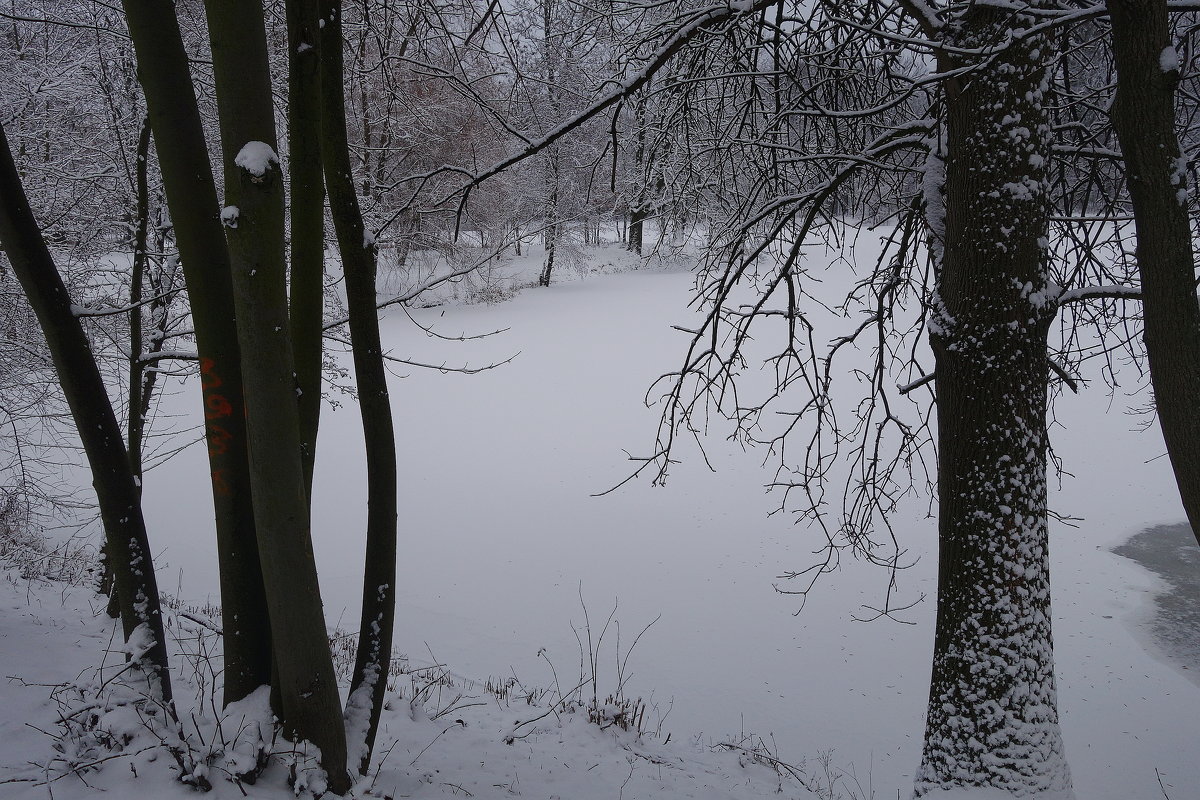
128, 545
192, 198
307, 217
993, 718
637, 216
1144, 118
550, 63
638, 210
551, 219
373, 659
254, 211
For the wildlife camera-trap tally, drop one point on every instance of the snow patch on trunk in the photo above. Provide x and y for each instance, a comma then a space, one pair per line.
1168, 59
256, 158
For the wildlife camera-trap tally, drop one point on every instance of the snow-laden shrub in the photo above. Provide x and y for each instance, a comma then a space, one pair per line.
112, 712
24, 547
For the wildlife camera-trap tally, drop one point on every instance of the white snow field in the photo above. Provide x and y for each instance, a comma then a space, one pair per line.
500, 537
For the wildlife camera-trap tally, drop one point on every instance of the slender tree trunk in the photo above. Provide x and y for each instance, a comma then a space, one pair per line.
137, 418
135, 425
192, 198
1144, 118
112, 477
550, 63
307, 217
253, 216
373, 659
993, 718
551, 219
158, 312
638, 209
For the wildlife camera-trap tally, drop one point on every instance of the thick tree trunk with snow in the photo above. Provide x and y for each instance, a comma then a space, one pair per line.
357, 247
993, 718
1144, 117
192, 198
253, 216
128, 546
307, 197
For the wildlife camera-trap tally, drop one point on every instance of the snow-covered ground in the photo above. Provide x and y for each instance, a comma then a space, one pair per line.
501, 538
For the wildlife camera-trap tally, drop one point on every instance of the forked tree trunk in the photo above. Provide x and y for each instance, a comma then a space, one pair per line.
253, 216
112, 476
1144, 118
192, 198
373, 658
993, 718
307, 196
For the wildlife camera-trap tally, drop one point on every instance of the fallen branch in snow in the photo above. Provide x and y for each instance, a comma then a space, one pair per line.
760, 755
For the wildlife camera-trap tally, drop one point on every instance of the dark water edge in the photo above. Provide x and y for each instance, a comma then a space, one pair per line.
1171, 553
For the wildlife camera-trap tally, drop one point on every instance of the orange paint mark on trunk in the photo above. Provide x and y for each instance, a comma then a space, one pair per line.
218, 440
217, 406
209, 379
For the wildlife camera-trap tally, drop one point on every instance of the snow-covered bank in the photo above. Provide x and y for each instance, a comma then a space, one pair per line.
457, 738
500, 532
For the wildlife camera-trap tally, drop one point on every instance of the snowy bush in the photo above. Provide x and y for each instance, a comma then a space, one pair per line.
28, 550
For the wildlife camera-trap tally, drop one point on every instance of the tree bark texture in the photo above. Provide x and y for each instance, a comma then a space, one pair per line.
1144, 117
373, 658
128, 546
192, 197
993, 718
307, 218
253, 216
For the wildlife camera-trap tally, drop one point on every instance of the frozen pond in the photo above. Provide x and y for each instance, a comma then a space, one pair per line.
500, 535
1171, 553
